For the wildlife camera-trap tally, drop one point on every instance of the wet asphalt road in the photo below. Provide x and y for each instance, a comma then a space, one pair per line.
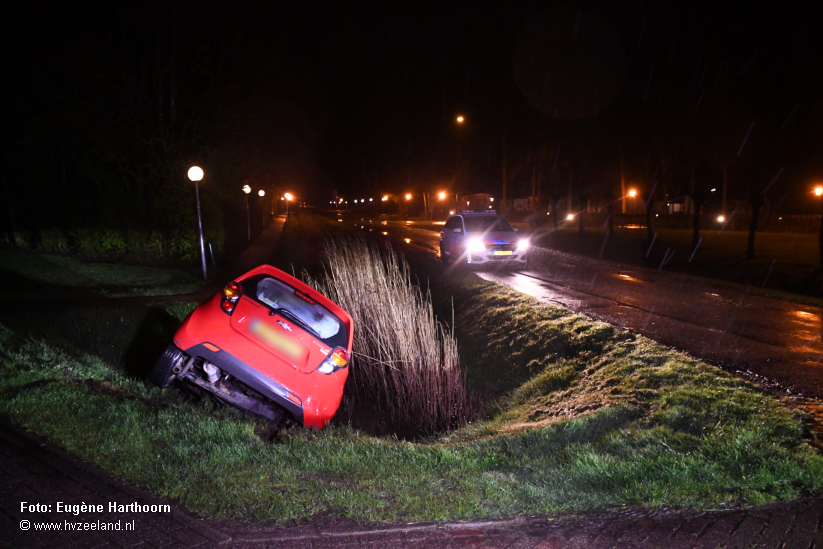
720, 323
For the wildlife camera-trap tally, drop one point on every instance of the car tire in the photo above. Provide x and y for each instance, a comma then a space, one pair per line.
162, 374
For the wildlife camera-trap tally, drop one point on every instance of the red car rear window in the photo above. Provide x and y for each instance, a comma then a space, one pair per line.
276, 294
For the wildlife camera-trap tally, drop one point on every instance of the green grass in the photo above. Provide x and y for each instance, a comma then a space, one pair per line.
112, 279
579, 416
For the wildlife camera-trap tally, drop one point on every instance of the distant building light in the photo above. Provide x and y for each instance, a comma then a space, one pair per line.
714, 190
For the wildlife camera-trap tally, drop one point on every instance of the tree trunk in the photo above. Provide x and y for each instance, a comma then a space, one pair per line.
584, 206
756, 203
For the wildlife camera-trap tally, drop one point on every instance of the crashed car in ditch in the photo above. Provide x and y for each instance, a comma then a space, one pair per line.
267, 344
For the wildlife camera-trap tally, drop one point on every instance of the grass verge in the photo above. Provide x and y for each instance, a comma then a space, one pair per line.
580, 416
111, 279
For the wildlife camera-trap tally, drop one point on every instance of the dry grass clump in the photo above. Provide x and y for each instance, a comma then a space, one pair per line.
406, 363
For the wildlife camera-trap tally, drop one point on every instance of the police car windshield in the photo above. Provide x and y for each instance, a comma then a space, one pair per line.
484, 223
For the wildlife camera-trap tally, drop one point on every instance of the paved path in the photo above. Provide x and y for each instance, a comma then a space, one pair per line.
34, 471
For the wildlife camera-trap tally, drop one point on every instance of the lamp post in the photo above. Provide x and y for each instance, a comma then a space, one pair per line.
261, 193
818, 192
247, 190
289, 197
196, 175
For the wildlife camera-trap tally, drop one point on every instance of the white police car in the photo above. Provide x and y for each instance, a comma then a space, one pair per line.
482, 236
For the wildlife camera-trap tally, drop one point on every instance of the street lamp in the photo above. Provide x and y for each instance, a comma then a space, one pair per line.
632, 193
408, 196
196, 175
460, 119
261, 193
818, 191
288, 197
441, 195
247, 190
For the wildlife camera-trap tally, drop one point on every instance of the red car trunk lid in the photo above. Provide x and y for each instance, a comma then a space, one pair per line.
277, 334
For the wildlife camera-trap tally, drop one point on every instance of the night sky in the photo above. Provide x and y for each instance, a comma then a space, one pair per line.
361, 97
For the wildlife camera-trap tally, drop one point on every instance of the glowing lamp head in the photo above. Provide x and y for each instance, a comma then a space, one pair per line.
570, 217
408, 196
721, 218
261, 192
195, 173
460, 119
289, 196
632, 193
385, 198
246, 189
441, 195
818, 191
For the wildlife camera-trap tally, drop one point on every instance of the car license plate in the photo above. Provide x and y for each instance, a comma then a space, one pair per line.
502, 253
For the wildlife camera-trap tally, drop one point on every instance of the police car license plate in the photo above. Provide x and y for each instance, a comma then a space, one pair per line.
502, 253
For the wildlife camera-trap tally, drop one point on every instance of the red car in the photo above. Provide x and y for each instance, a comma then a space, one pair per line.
268, 344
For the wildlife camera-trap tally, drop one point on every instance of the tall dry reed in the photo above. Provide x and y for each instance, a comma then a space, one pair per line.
405, 361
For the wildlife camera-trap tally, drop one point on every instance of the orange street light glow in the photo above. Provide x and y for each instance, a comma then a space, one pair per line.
818, 191
570, 217
408, 196
385, 198
721, 218
441, 195
261, 192
460, 119
632, 193
289, 197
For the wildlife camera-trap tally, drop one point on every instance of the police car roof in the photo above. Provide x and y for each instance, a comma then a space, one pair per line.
478, 212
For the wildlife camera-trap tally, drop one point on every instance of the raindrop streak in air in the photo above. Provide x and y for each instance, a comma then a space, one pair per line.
790, 115
745, 139
648, 85
652, 244
769, 273
769, 186
700, 100
666, 258
699, 241
746, 66
651, 312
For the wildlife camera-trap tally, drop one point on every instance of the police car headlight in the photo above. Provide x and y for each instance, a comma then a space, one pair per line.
522, 245
475, 246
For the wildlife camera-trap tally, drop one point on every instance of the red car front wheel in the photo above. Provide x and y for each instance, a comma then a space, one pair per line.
162, 374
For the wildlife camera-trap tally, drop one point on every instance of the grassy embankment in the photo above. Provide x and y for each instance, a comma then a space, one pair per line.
54, 276
579, 416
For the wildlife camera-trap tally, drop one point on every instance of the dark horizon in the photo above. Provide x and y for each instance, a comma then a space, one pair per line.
111, 101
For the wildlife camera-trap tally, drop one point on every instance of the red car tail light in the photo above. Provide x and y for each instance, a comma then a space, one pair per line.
337, 360
233, 290
231, 294
340, 357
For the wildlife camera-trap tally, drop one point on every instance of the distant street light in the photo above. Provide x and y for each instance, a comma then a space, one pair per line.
261, 193
385, 198
408, 196
460, 119
289, 197
441, 195
196, 175
721, 218
570, 217
632, 193
247, 190
818, 191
